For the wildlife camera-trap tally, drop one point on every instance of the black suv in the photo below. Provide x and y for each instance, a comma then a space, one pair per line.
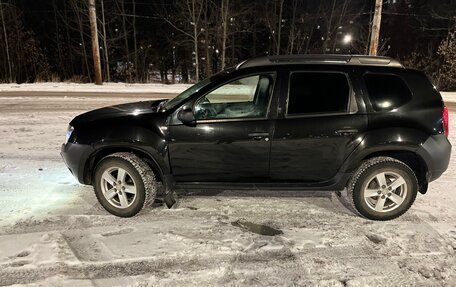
313, 122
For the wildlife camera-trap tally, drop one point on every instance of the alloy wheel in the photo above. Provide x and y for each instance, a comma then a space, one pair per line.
385, 191
118, 187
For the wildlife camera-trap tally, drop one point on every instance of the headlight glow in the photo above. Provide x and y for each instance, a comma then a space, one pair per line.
68, 133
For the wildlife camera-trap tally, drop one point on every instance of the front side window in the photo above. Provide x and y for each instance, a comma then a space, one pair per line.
386, 92
318, 93
242, 98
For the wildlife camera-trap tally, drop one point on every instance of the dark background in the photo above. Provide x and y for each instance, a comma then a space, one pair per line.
147, 41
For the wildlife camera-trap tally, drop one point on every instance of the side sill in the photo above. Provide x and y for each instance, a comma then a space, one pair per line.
328, 185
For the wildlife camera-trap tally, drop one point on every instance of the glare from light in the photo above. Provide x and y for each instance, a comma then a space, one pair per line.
207, 128
136, 112
347, 39
68, 133
385, 104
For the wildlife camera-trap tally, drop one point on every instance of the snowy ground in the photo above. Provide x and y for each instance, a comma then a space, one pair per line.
91, 88
54, 233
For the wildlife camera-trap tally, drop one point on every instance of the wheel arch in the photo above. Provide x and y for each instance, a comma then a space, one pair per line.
100, 153
401, 143
409, 157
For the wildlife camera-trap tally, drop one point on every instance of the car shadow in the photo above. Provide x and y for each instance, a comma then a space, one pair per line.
334, 201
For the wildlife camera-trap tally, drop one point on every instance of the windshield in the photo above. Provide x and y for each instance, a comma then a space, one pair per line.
193, 89
185, 94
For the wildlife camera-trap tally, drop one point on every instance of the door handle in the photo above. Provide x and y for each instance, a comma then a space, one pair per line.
346, 132
259, 136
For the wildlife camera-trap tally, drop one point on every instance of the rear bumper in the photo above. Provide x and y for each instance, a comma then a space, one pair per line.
436, 152
75, 157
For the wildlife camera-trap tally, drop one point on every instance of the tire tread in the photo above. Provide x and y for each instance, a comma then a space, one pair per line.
145, 172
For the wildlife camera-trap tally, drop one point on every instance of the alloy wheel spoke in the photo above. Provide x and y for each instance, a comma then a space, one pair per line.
396, 198
130, 188
397, 183
110, 194
380, 204
123, 200
121, 175
381, 179
370, 192
109, 178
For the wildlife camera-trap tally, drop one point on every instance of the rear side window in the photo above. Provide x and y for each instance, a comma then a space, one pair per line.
386, 92
318, 92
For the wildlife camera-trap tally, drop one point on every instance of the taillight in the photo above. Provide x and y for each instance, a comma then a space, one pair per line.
446, 121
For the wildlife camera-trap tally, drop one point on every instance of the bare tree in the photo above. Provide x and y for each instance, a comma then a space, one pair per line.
57, 34
105, 42
121, 4
77, 11
188, 10
10, 78
224, 17
274, 22
135, 46
233, 16
447, 72
68, 39
207, 27
293, 28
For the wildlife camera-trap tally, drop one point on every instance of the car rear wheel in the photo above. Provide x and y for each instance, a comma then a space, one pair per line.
124, 184
383, 188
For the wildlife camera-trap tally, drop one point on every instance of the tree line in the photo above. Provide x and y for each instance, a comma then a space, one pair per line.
186, 40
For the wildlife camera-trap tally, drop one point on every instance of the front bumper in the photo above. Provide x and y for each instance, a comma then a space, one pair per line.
75, 157
436, 152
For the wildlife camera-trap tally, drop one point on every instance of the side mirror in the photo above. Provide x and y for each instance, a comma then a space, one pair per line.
186, 116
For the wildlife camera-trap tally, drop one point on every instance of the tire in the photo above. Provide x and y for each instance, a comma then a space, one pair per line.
136, 190
375, 193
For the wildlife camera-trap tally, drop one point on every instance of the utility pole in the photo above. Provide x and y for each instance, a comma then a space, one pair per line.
375, 34
95, 45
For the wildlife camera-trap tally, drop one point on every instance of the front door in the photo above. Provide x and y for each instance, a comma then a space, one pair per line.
231, 139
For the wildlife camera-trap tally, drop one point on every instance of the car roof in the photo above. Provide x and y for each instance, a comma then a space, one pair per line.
320, 59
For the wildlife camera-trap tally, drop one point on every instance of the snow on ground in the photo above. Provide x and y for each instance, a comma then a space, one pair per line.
91, 88
449, 96
54, 233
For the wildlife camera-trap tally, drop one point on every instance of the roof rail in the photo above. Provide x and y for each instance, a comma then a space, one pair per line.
358, 60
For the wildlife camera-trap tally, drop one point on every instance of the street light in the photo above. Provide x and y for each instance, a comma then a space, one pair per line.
347, 39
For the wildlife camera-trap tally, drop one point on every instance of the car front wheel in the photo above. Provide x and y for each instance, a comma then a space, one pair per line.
124, 184
383, 188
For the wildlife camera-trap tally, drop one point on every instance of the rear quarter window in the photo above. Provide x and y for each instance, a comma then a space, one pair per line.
386, 91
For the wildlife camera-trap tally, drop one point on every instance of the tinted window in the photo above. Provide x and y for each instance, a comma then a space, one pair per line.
242, 98
386, 92
318, 92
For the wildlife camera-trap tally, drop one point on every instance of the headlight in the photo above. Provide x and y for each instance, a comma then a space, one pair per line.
68, 133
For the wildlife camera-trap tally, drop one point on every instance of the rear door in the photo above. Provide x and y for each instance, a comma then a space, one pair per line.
319, 126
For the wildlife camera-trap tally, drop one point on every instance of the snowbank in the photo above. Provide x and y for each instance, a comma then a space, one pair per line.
449, 96
91, 88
